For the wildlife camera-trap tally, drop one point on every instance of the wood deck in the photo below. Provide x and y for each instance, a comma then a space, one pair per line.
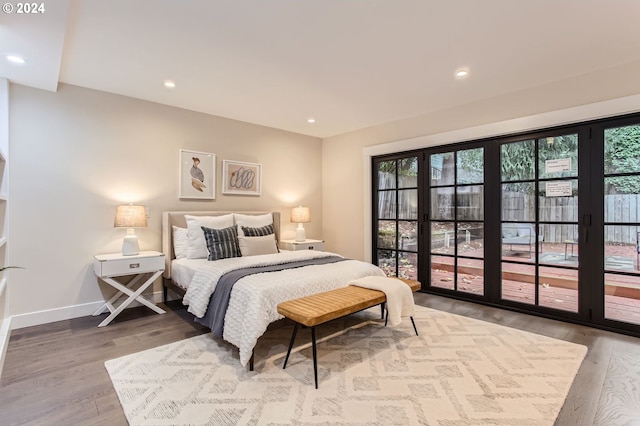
558, 287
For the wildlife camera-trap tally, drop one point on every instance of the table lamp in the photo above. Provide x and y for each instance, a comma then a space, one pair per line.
300, 215
130, 216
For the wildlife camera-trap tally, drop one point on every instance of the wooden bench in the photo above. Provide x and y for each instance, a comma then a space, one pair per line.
319, 308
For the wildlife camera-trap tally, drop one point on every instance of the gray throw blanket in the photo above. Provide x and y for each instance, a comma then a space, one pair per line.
219, 301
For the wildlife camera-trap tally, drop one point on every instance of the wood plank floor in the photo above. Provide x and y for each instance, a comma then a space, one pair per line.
54, 374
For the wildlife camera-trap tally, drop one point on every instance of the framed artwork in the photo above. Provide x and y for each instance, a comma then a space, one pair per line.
241, 178
197, 175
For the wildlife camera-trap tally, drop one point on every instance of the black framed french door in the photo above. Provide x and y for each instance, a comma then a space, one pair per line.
546, 222
541, 191
455, 220
615, 229
395, 210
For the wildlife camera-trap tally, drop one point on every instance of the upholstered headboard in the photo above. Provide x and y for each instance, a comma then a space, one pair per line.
177, 218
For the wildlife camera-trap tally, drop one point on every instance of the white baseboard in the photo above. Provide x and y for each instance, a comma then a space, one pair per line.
5, 335
68, 312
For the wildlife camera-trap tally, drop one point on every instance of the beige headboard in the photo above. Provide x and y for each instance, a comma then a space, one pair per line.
177, 218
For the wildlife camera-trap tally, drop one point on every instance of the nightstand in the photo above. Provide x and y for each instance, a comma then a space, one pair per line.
302, 245
146, 265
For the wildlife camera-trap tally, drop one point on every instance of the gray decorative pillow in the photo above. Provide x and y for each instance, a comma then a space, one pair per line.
222, 243
197, 245
252, 246
258, 232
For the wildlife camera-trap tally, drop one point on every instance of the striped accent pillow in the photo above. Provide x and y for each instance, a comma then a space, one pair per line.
258, 232
222, 243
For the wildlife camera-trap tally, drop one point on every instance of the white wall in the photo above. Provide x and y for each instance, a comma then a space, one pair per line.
346, 201
5, 318
77, 153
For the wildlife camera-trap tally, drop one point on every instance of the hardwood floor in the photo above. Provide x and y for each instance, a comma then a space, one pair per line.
54, 374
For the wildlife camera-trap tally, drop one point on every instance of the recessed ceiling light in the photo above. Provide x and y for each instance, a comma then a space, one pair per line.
169, 84
462, 72
16, 59
311, 120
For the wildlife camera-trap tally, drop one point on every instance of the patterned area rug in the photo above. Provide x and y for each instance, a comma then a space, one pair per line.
459, 371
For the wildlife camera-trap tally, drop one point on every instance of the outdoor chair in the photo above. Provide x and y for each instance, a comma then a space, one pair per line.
521, 235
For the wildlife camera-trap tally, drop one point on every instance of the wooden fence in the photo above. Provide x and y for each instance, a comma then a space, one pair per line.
517, 206
619, 208
408, 200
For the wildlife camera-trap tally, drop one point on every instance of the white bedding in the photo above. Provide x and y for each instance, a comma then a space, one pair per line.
254, 298
182, 270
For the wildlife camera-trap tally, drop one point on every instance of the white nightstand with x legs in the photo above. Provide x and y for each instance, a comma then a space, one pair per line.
146, 264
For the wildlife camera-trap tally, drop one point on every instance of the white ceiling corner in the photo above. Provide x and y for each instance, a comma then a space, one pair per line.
39, 39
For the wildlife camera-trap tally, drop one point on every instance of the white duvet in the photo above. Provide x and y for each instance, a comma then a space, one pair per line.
254, 298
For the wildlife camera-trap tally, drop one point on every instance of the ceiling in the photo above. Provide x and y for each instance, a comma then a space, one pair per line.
349, 64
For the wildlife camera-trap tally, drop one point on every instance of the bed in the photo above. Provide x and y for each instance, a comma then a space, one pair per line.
236, 295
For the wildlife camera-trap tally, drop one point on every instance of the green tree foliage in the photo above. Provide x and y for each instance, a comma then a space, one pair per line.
471, 159
407, 173
387, 166
470, 165
408, 166
517, 159
622, 155
405, 166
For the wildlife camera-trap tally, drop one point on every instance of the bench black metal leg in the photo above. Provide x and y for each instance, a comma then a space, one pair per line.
382, 306
412, 322
315, 362
293, 338
251, 361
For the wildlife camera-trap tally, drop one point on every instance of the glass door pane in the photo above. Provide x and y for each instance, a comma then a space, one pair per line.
517, 234
456, 220
622, 224
396, 221
539, 230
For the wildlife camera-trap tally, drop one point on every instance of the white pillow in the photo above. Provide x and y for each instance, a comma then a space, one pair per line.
252, 246
253, 221
197, 245
180, 242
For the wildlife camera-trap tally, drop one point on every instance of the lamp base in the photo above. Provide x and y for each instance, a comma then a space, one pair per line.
130, 244
300, 234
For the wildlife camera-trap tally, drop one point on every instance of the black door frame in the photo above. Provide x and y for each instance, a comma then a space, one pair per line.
590, 221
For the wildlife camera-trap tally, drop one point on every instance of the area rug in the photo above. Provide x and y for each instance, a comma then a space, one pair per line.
458, 371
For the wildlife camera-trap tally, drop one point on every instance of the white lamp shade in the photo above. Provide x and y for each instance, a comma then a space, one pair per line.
300, 215
130, 216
